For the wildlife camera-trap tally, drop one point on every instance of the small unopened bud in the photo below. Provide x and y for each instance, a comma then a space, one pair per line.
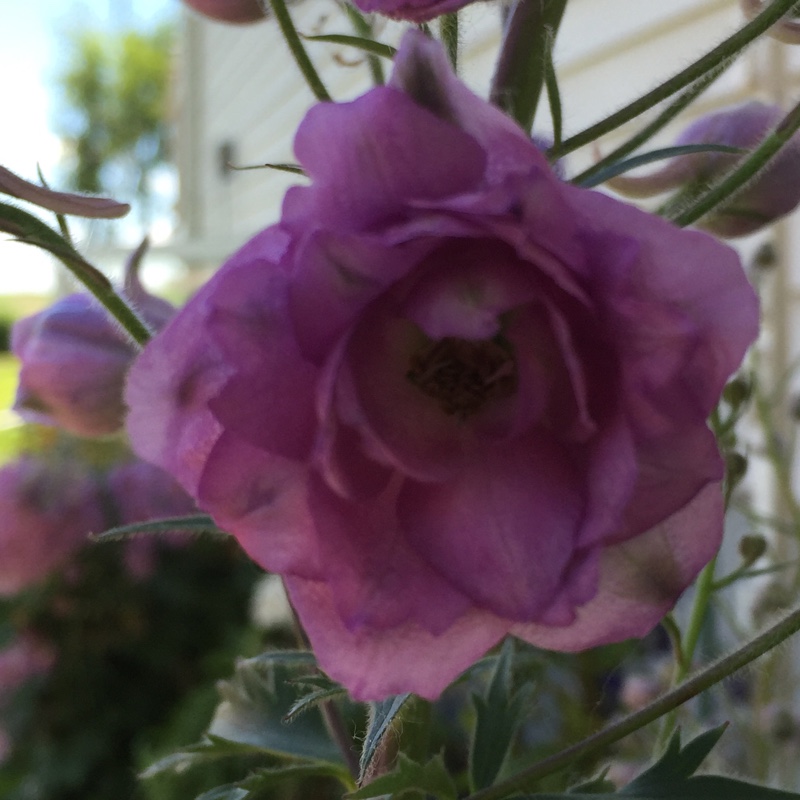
772, 194
751, 548
738, 391
765, 257
735, 467
229, 10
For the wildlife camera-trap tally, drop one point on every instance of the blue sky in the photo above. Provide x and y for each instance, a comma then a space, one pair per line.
31, 51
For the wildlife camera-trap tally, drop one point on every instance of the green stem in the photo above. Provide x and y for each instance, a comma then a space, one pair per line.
448, 30
517, 83
646, 133
729, 49
690, 688
292, 38
743, 172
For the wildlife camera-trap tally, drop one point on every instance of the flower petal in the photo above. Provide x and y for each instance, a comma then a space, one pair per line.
377, 664
641, 579
504, 529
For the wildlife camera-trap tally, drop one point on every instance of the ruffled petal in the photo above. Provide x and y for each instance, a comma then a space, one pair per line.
388, 150
408, 658
375, 579
504, 529
262, 499
641, 579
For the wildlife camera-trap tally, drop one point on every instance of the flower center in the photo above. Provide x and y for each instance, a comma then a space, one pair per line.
463, 375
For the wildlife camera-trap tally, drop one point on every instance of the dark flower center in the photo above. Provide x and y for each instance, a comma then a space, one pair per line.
463, 375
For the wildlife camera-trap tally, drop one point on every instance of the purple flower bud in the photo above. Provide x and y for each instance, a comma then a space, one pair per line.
47, 513
229, 10
771, 195
74, 361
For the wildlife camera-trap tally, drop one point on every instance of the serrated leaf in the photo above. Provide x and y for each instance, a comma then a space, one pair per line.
672, 778
431, 778
358, 42
677, 763
612, 170
380, 718
254, 704
497, 718
194, 523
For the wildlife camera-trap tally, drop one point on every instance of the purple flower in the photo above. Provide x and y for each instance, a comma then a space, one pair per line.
229, 10
47, 511
450, 397
74, 362
771, 195
411, 10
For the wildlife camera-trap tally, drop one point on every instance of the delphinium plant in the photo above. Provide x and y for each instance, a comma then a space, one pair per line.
482, 418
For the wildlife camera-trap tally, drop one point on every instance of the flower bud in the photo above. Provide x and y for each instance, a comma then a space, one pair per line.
229, 10
74, 361
47, 513
773, 193
751, 548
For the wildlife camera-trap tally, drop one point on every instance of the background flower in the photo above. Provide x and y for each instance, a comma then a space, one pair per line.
450, 397
47, 512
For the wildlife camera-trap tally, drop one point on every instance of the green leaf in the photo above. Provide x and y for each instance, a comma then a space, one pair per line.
254, 704
677, 763
228, 792
598, 785
661, 154
295, 169
194, 523
359, 42
287, 658
380, 719
431, 778
497, 719
672, 778
209, 749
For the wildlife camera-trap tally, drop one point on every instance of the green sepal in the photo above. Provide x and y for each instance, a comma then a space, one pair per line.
381, 716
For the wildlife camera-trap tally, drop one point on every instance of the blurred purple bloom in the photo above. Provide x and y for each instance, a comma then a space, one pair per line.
74, 361
450, 397
47, 512
411, 10
139, 492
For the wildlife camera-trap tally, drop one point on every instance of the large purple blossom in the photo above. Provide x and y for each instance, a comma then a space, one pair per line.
450, 397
